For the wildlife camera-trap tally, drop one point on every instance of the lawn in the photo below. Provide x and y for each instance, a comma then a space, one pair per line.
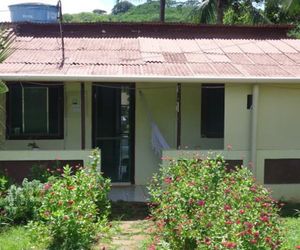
17, 238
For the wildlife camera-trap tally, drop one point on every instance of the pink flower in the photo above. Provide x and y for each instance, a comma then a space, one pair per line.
298, 247
256, 234
229, 147
46, 213
264, 218
47, 186
201, 203
229, 244
242, 211
227, 207
228, 222
168, 180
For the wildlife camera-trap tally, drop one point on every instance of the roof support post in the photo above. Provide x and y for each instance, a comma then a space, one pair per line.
82, 102
178, 111
254, 118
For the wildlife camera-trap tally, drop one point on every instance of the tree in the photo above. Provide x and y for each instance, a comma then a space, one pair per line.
121, 7
6, 39
292, 6
213, 11
99, 12
162, 11
275, 12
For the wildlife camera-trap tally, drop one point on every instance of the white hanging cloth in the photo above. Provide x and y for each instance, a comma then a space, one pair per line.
158, 141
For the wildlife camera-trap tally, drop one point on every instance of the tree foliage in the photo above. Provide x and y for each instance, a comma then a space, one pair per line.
6, 39
201, 11
147, 12
121, 7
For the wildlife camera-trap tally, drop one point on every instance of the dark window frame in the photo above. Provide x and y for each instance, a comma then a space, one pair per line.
59, 135
205, 133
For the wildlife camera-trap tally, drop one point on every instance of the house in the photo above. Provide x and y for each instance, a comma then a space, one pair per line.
139, 91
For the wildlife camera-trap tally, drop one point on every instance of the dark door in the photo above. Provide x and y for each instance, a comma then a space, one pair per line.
113, 129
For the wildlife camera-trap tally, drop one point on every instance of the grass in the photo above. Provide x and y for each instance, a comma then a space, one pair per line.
17, 238
292, 233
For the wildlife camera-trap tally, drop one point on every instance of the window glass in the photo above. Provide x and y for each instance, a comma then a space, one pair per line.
212, 111
34, 111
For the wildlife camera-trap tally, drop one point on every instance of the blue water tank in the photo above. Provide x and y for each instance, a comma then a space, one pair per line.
33, 12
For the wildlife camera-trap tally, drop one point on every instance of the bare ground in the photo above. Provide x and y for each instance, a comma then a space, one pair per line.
130, 235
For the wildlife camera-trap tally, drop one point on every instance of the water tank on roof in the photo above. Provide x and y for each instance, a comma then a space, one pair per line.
33, 12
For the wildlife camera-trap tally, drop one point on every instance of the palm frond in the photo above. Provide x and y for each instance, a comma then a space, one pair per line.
204, 11
6, 39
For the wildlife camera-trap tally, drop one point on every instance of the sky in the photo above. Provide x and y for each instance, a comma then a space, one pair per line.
68, 6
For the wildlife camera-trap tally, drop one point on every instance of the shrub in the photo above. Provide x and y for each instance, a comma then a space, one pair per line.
20, 203
197, 204
74, 207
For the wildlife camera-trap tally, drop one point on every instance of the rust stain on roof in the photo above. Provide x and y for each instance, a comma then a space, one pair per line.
154, 50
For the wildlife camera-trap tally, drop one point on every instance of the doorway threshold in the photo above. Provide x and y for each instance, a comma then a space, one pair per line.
121, 184
130, 193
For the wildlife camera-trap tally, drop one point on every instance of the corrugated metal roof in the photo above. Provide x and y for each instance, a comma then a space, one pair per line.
154, 50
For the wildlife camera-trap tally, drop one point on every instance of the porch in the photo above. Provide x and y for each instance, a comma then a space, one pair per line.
236, 120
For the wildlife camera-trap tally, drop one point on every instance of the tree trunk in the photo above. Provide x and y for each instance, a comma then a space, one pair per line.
220, 10
162, 10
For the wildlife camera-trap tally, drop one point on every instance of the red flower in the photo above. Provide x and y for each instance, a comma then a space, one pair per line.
168, 180
227, 207
229, 244
70, 202
207, 241
266, 205
264, 218
70, 187
242, 211
228, 222
201, 203
47, 186
268, 239
298, 247
249, 225
256, 234
253, 241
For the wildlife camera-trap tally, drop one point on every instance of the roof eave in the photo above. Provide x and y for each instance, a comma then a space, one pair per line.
134, 78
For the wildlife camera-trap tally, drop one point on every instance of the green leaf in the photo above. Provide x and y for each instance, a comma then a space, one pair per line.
3, 88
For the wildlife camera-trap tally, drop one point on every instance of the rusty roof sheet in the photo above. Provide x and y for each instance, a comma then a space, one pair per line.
154, 50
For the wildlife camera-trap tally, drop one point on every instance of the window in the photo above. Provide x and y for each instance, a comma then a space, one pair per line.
212, 111
34, 111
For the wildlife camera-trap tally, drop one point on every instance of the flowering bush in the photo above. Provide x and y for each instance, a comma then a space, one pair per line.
197, 204
74, 208
20, 202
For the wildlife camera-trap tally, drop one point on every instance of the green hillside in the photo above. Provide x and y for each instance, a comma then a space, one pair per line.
147, 12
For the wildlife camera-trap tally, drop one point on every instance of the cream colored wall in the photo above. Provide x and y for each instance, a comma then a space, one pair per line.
162, 104
72, 123
278, 117
237, 117
191, 120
